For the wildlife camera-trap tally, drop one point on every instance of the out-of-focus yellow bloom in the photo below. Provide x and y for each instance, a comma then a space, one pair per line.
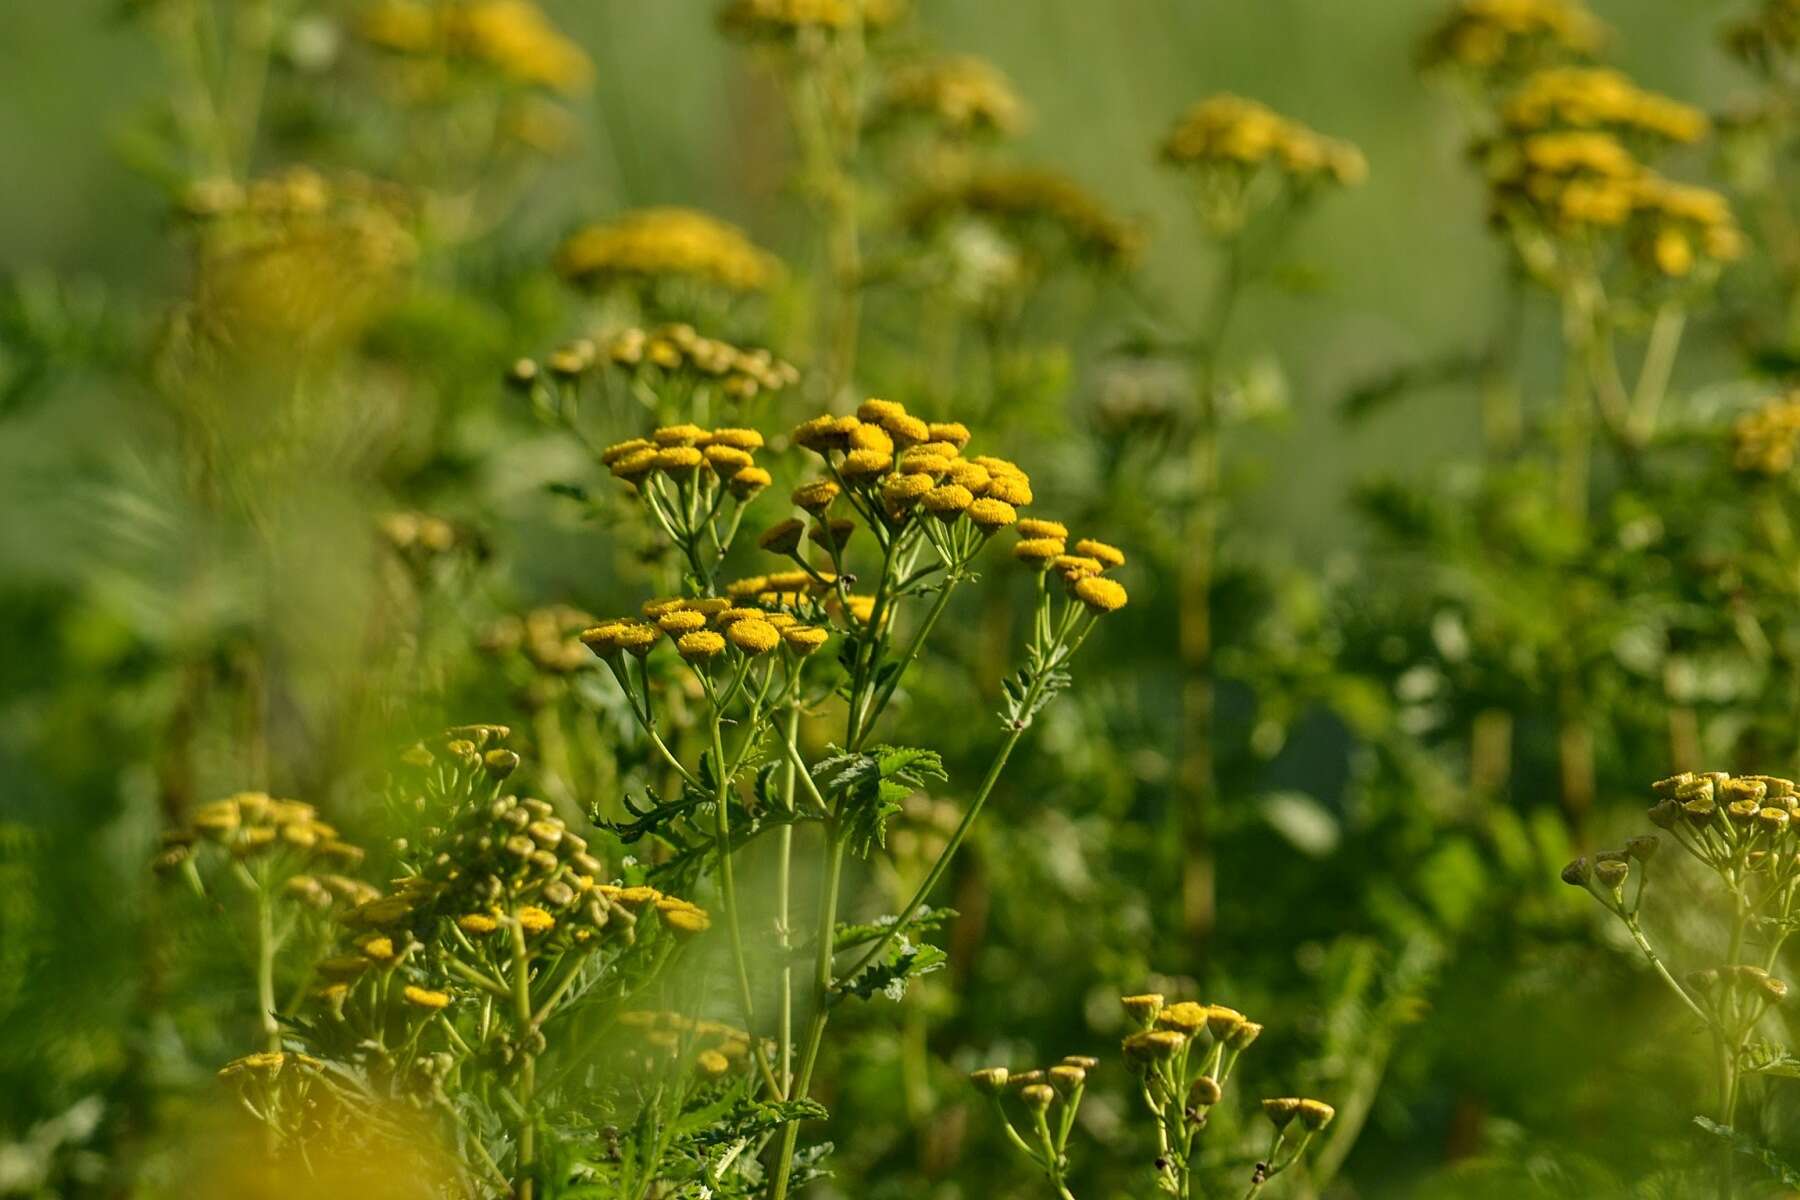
655, 243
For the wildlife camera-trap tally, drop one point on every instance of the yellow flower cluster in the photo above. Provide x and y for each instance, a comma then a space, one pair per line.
254, 825
962, 94
1231, 132
1681, 225
1598, 98
418, 533
669, 351
1764, 441
513, 38
715, 1046
1716, 815
330, 891
782, 19
1031, 205
1575, 181
704, 629
546, 636
1509, 36
1043, 546
889, 464
1169, 1032
685, 454
661, 243
297, 257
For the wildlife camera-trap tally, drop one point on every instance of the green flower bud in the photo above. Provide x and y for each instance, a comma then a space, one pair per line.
989, 1081
1281, 1111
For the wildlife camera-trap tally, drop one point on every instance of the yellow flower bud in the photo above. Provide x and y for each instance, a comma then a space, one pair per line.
782, 537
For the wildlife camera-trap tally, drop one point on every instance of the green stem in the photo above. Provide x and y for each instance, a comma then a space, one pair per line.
822, 984
949, 852
522, 1012
728, 887
265, 971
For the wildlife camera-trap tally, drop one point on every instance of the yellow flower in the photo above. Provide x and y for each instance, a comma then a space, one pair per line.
876, 411
534, 919
683, 917
948, 501
712, 1063
1013, 489
635, 465
803, 639
1185, 1017
678, 435
970, 475
738, 439
426, 998
1037, 527
816, 497
727, 461
782, 537
700, 646
862, 464
477, 924
964, 95
954, 432
1099, 594
1038, 552
900, 492
1077, 566
749, 481
678, 460
377, 947
1315, 1114
681, 621
753, 636
666, 242
929, 466
992, 515
1110, 556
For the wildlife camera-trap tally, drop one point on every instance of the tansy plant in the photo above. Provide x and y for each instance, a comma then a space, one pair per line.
476, 991
1181, 1057
1740, 829
891, 530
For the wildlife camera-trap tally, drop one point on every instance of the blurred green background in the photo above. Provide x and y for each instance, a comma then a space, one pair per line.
1525, 1063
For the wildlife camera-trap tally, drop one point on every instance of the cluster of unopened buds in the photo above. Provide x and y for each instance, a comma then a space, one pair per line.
1051, 1098
252, 826
1765, 439
1231, 132
1741, 827
712, 1047
658, 359
1184, 1054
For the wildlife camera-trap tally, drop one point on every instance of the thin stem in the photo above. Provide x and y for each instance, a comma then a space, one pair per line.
1655, 960
522, 1012
822, 984
728, 888
956, 840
